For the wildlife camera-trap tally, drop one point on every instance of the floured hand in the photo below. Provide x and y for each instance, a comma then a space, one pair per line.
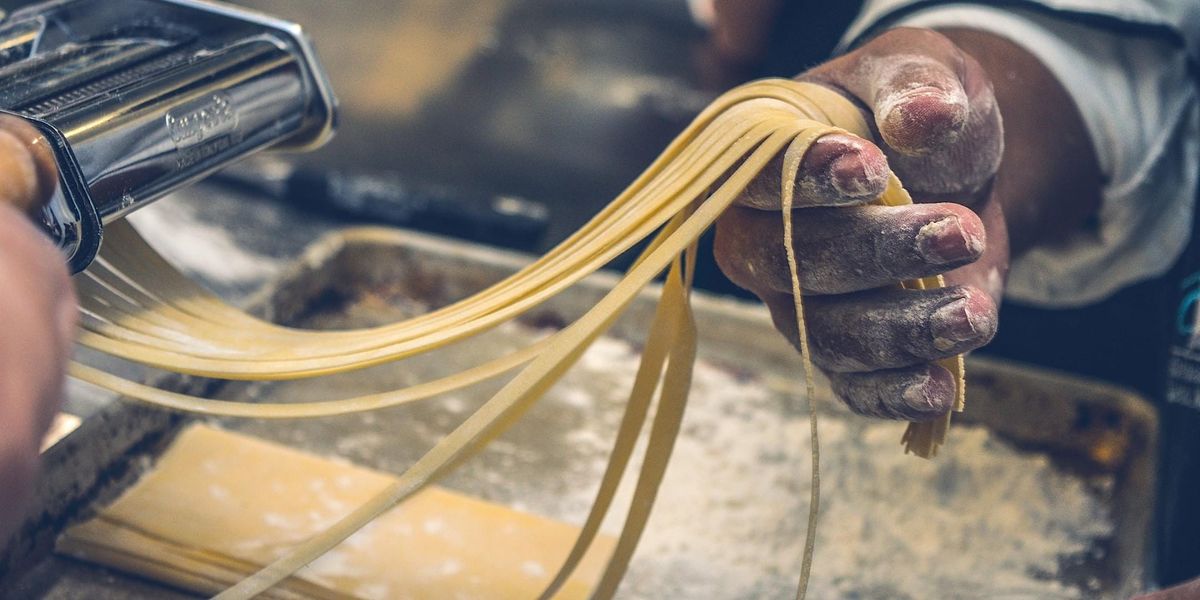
940, 130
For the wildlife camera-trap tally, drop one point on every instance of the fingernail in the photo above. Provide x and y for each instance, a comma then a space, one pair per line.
916, 120
857, 175
945, 241
953, 324
929, 397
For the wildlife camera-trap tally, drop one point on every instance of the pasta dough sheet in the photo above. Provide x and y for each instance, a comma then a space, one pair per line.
219, 505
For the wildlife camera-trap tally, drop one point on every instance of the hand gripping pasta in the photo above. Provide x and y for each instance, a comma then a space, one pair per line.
137, 307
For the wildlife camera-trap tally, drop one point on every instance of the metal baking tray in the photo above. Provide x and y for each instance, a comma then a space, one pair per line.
1044, 489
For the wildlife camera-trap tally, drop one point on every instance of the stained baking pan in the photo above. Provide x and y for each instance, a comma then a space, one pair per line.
1043, 490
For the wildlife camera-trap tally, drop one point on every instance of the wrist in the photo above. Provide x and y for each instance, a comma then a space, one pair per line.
1048, 182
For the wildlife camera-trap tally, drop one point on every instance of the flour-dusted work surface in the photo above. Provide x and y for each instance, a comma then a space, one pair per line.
729, 522
1039, 492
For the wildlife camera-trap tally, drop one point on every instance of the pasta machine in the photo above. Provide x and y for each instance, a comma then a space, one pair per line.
140, 97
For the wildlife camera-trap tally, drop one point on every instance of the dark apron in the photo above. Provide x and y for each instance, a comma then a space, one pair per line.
1179, 484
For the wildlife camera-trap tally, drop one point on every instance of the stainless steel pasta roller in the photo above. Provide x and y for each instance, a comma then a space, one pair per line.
140, 97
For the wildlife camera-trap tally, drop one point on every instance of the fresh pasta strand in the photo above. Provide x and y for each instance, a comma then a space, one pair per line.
791, 166
139, 308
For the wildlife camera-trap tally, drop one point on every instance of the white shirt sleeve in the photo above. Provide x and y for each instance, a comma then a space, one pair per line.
1140, 107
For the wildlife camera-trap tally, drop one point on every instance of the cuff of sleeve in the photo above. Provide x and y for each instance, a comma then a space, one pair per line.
1141, 114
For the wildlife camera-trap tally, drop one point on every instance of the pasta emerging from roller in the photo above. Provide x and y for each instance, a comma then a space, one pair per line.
139, 308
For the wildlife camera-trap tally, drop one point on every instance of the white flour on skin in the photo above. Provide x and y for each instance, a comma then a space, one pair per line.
893, 80
967, 158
